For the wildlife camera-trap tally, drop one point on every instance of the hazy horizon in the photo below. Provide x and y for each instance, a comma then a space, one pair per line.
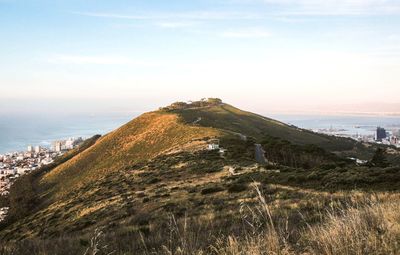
17, 131
289, 56
135, 107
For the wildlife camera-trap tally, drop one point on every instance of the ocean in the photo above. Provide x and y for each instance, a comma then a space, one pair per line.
346, 125
17, 131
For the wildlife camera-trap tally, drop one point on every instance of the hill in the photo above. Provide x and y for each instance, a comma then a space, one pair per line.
150, 135
156, 170
226, 117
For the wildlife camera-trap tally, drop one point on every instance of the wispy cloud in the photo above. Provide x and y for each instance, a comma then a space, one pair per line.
282, 9
99, 60
114, 15
81, 59
171, 24
336, 7
190, 15
246, 33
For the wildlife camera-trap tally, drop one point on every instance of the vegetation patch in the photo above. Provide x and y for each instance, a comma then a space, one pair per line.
210, 190
237, 187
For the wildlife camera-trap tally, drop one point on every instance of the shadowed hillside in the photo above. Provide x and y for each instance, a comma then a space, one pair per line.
226, 117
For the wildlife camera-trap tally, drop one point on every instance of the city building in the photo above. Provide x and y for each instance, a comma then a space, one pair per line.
68, 144
380, 134
213, 144
37, 149
15, 164
58, 146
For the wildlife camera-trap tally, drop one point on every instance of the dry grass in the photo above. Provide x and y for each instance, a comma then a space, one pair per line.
96, 247
360, 224
363, 225
372, 228
143, 138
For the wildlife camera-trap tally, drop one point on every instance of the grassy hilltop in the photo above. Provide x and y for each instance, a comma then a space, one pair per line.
226, 117
152, 187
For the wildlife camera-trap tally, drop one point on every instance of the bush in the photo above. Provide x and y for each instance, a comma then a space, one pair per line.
210, 190
237, 187
379, 159
153, 180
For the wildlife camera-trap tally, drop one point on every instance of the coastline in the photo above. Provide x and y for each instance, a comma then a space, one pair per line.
19, 131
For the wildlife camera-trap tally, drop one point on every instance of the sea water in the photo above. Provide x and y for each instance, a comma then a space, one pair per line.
347, 125
17, 131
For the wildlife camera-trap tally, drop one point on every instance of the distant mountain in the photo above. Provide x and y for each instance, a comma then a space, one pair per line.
159, 164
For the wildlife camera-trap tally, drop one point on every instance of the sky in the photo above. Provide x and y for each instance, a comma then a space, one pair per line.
261, 55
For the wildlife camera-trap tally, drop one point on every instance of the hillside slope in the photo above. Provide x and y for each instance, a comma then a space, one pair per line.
157, 165
226, 117
145, 137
